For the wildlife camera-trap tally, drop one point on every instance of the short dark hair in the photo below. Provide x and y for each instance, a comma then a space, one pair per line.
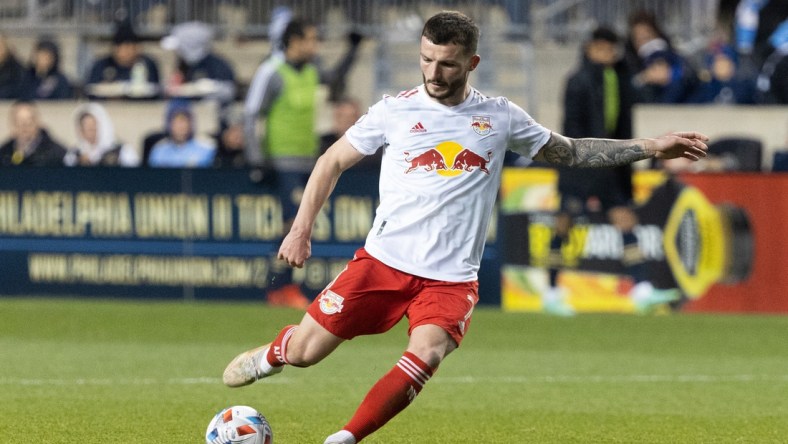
605, 34
452, 27
296, 28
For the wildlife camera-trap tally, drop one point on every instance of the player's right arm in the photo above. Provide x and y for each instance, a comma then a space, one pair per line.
297, 247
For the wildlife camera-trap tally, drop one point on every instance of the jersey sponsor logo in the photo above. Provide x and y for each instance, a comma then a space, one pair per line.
481, 125
467, 160
448, 159
331, 303
418, 128
430, 160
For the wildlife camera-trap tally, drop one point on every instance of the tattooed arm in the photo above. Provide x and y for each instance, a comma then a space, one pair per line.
561, 150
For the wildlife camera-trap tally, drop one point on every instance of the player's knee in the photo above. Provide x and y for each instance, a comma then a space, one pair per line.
432, 354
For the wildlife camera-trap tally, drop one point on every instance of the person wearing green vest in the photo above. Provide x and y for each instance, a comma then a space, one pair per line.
279, 119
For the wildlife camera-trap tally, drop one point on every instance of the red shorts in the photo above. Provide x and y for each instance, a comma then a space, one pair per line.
369, 297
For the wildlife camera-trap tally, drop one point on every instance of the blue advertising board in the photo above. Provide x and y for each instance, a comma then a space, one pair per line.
172, 233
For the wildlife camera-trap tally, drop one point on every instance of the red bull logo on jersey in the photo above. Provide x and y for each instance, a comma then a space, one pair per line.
430, 160
448, 159
481, 125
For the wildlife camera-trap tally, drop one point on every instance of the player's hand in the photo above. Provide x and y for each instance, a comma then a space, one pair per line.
296, 248
689, 145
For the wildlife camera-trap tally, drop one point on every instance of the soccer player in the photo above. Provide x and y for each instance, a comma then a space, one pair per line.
444, 144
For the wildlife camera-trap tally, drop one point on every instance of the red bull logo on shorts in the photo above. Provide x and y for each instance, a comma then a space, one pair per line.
482, 125
331, 302
448, 159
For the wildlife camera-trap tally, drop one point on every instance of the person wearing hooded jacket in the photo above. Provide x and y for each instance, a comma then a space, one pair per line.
45, 79
199, 73
181, 149
96, 144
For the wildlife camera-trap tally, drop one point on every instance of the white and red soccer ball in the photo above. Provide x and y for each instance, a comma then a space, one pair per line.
239, 424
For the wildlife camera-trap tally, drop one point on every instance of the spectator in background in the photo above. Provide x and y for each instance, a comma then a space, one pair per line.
126, 73
755, 22
345, 112
181, 149
96, 144
45, 80
719, 81
598, 102
231, 143
30, 144
283, 96
12, 73
772, 81
199, 74
662, 74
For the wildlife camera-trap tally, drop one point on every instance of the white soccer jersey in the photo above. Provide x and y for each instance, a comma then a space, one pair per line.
439, 177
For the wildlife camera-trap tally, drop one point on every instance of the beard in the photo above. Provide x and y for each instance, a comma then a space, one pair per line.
447, 89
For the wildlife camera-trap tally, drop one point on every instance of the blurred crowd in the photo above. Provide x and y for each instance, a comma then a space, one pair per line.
744, 62
127, 73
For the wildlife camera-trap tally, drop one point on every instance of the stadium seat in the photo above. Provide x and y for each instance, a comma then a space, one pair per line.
745, 152
780, 161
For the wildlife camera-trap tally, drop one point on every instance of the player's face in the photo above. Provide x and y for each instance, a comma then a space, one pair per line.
445, 70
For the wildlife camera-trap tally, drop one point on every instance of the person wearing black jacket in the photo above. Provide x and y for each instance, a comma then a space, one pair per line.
30, 144
12, 73
598, 103
45, 79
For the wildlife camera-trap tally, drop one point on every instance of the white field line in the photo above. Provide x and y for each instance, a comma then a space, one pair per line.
516, 380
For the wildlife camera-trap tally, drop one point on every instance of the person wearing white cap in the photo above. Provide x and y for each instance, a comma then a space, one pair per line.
199, 74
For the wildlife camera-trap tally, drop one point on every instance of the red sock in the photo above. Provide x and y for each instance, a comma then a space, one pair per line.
390, 395
277, 353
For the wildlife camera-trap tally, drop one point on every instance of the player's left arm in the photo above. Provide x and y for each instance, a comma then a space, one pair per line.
567, 151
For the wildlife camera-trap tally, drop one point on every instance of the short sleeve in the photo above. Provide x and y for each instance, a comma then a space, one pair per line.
526, 136
368, 133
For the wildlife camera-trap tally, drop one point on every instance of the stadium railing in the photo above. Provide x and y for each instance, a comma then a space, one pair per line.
511, 28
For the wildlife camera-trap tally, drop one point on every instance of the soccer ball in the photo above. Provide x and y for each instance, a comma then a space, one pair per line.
239, 424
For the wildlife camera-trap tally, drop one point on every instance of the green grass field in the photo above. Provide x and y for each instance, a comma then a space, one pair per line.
82, 371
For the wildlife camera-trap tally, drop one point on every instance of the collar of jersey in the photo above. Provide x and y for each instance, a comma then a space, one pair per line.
468, 100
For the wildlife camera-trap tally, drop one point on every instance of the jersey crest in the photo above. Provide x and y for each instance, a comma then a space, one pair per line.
482, 125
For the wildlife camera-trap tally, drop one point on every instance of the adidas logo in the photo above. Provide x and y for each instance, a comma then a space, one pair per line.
418, 128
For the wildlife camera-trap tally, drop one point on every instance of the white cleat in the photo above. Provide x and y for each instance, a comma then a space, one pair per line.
341, 437
248, 367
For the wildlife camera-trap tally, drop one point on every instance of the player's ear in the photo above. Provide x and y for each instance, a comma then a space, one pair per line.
475, 59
